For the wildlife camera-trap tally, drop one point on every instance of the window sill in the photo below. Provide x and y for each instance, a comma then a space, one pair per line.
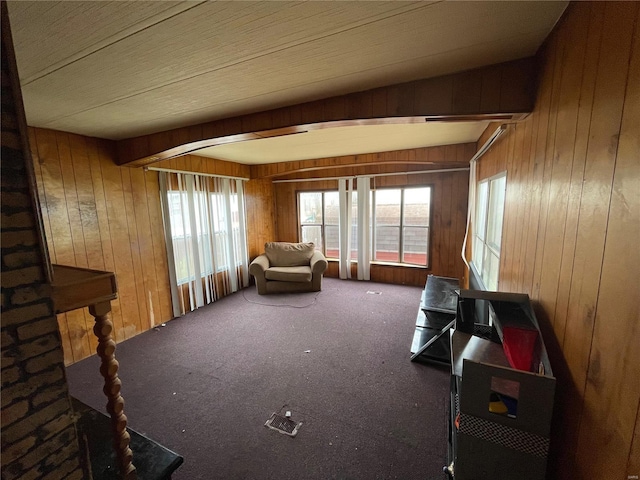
387, 264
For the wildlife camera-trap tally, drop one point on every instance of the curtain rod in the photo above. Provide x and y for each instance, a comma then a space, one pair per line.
442, 170
171, 170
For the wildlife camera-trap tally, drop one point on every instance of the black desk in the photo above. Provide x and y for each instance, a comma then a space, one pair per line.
152, 460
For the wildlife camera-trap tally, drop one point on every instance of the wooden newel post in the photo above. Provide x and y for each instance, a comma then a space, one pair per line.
112, 384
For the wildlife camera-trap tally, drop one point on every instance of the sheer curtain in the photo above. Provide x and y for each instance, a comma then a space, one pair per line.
345, 192
205, 237
355, 225
364, 228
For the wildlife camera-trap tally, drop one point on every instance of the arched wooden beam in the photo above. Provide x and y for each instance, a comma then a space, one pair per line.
500, 92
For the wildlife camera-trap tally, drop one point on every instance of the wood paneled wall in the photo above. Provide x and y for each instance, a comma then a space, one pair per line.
449, 213
259, 198
571, 229
101, 216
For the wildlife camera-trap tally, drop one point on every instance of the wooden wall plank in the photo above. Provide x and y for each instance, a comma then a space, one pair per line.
142, 323
159, 249
145, 244
520, 166
123, 264
53, 204
88, 219
134, 242
512, 199
259, 198
525, 204
558, 45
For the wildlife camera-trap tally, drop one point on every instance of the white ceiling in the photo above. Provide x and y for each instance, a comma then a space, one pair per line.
114, 69
339, 141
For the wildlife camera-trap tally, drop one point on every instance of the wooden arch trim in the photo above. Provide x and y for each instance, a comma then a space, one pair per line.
504, 91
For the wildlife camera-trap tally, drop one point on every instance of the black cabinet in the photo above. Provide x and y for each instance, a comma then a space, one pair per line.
502, 390
436, 316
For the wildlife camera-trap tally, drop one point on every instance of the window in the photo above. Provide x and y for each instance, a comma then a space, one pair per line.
206, 237
319, 214
488, 229
400, 224
401, 218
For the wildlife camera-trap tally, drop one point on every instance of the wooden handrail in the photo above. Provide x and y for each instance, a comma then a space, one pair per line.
74, 288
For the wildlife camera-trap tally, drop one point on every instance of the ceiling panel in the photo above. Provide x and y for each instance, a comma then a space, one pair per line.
140, 67
48, 35
213, 37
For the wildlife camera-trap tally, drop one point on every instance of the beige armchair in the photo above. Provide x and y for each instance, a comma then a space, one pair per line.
288, 267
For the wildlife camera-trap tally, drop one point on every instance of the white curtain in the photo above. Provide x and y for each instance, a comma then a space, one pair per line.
364, 228
206, 238
345, 193
471, 208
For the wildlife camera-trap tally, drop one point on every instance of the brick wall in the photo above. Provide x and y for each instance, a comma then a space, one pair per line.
38, 436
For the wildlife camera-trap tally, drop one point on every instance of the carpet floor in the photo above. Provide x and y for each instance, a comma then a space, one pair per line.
204, 385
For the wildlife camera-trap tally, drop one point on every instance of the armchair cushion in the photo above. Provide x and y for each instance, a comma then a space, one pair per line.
289, 274
285, 254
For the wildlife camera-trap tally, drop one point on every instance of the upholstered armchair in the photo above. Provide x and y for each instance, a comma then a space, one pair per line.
288, 267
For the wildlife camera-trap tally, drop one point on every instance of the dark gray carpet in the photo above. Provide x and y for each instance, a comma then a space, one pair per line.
205, 384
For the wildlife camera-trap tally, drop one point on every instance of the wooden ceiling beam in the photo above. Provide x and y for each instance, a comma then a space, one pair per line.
504, 91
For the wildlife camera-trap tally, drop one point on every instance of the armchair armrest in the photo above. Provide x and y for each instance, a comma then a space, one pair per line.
318, 263
257, 268
259, 265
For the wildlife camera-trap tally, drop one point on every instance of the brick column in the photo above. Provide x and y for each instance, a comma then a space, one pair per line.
38, 438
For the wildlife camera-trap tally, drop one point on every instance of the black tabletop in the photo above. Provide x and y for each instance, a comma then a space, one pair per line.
152, 460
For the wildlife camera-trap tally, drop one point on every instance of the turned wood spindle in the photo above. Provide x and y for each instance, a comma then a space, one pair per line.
112, 385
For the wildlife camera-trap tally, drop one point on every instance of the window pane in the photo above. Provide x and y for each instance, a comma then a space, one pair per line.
490, 270
178, 223
416, 206
416, 242
387, 207
496, 212
478, 253
181, 260
387, 244
481, 210
313, 234
331, 208
310, 208
332, 241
